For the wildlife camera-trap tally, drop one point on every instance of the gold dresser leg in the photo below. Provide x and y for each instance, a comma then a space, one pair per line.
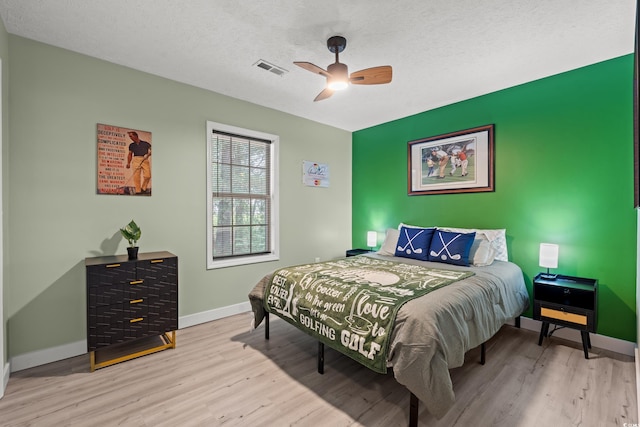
173, 339
168, 340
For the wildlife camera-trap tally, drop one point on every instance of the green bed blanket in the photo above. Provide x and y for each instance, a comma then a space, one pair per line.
351, 304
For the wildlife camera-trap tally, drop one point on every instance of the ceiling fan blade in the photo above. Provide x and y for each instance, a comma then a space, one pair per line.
372, 76
324, 95
312, 67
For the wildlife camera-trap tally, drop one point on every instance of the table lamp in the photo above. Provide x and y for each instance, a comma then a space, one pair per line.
372, 239
548, 259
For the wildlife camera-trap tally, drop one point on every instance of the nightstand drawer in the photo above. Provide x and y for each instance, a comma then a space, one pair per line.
565, 296
579, 319
572, 317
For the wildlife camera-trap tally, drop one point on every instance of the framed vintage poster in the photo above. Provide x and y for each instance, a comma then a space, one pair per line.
124, 161
456, 162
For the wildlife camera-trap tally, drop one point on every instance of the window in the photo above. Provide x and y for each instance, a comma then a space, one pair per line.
242, 198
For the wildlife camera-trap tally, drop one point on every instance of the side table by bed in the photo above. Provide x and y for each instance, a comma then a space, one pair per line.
354, 252
566, 301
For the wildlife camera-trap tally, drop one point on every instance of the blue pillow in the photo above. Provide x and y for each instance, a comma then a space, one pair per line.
450, 247
414, 242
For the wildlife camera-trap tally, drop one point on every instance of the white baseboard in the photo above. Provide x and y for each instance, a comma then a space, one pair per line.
5, 378
53, 354
600, 341
215, 314
48, 355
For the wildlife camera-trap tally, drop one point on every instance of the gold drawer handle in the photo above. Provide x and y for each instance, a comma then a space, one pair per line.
135, 301
139, 319
136, 282
153, 261
112, 265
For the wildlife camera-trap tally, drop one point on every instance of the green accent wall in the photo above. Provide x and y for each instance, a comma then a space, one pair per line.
563, 174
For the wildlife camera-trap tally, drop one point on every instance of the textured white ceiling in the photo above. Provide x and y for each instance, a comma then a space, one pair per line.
442, 51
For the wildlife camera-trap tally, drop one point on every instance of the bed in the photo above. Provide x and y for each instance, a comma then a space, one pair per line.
432, 332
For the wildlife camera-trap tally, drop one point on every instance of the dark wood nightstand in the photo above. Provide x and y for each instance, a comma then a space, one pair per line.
354, 252
566, 301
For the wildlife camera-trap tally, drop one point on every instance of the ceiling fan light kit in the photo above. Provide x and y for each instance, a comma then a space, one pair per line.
339, 78
337, 74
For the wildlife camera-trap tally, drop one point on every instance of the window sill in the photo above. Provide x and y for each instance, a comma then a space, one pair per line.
232, 262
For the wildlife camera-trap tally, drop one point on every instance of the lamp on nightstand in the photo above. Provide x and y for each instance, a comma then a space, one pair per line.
372, 239
548, 259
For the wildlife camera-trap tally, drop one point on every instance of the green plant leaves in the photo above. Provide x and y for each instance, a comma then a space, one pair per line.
131, 232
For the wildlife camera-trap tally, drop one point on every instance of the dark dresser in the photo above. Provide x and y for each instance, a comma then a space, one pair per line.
132, 306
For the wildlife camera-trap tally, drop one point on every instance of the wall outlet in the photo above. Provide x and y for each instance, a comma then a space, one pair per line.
317, 259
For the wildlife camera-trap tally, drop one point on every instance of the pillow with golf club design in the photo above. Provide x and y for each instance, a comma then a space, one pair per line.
414, 242
451, 248
496, 237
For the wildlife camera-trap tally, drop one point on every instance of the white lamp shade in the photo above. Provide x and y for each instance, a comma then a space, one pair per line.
372, 239
549, 255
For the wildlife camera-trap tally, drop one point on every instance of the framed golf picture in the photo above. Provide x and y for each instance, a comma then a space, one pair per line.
456, 162
124, 161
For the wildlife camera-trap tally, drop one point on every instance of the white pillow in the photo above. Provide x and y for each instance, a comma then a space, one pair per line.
388, 247
402, 224
481, 253
497, 238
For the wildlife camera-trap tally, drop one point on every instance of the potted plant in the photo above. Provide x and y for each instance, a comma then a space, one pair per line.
132, 233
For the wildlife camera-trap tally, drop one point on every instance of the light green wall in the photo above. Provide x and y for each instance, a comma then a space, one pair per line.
56, 220
563, 174
4, 55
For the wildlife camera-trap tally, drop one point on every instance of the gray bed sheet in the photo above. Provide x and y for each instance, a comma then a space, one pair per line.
432, 333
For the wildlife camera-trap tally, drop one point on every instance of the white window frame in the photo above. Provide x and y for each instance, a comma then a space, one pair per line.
274, 250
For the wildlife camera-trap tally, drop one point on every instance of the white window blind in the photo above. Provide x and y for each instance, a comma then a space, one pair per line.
241, 203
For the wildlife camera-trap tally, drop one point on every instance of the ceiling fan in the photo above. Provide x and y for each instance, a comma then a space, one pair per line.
337, 74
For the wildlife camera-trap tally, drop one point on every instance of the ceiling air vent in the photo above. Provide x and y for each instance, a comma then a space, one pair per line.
270, 67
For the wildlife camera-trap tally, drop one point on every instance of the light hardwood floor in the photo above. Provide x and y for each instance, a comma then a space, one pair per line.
221, 373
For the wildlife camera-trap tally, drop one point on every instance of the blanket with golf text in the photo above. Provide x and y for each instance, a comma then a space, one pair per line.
351, 304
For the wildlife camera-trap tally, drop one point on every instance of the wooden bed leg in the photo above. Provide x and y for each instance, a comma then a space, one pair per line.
320, 358
266, 326
413, 410
482, 354
518, 322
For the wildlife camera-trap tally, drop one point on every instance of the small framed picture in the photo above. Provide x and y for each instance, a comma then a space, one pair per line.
315, 174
